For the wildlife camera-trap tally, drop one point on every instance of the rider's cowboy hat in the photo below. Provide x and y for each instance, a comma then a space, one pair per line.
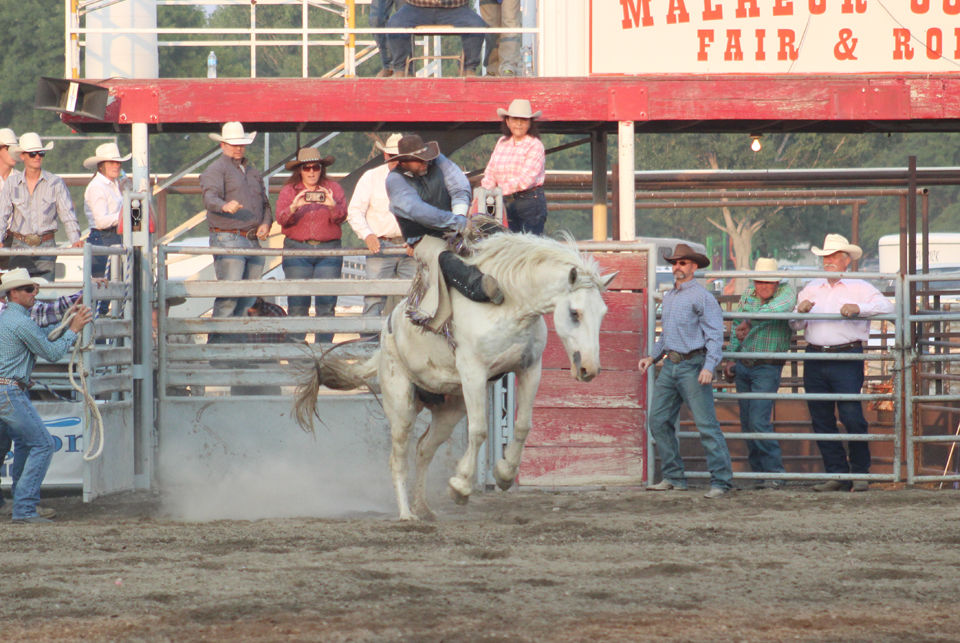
8, 138
18, 277
233, 134
411, 147
390, 147
309, 155
837, 243
683, 251
105, 152
519, 108
30, 142
766, 264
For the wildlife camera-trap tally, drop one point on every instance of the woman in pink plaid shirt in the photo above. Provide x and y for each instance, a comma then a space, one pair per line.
517, 165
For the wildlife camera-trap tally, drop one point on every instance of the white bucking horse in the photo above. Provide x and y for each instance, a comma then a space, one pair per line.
415, 368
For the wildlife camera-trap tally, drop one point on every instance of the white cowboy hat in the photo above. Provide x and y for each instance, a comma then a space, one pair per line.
391, 146
519, 108
837, 243
30, 142
766, 264
19, 277
8, 138
105, 152
233, 134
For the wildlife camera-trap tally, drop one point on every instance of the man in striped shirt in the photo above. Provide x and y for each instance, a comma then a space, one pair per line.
691, 340
761, 375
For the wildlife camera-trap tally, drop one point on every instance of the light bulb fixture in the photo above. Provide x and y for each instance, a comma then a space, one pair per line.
755, 144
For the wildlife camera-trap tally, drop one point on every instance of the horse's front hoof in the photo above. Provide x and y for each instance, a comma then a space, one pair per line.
503, 475
408, 517
459, 490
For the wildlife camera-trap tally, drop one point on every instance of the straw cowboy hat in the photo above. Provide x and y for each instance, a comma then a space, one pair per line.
18, 277
683, 251
411, 147
766, 264
8, 138
30, 142
837, 243
390, 147
309, 155
105, 152
233, 134
519, 108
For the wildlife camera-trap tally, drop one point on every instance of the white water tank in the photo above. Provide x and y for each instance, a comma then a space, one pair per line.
123, 55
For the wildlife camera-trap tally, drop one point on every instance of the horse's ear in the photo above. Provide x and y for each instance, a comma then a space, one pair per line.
606, 279
573, 276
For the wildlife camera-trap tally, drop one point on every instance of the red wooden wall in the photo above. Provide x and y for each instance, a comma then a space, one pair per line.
593, 433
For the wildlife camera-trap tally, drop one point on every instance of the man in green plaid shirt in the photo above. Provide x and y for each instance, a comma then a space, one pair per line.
761, 375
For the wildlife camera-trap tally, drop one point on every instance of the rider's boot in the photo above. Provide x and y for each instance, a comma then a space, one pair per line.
468, 279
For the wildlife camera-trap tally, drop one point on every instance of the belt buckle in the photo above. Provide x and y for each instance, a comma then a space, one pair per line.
251, 234
674, 357
32, 239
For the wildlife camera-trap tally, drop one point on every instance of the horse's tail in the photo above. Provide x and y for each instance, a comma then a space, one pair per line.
339, 372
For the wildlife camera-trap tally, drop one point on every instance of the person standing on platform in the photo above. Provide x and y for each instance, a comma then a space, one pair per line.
311, 209
30, 204
103, 202
518, 167
455, 13
21, 342
238, 214
761, 375
370, 217
503, 49
380, 11
856, 300
692, 341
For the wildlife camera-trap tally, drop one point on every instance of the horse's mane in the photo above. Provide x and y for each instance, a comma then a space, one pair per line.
515, 259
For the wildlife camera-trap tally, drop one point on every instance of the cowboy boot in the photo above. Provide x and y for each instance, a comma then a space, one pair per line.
471, 283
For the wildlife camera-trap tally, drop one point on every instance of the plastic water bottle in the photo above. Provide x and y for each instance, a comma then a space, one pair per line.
527, 54
211, 65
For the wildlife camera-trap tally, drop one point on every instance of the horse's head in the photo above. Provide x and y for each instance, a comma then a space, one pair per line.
577, 318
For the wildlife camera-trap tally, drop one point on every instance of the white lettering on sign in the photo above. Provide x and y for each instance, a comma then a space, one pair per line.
774, 36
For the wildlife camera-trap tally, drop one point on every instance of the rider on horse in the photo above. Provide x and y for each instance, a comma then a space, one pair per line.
430, 197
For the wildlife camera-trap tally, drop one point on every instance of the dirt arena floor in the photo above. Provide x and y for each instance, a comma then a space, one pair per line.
611, 564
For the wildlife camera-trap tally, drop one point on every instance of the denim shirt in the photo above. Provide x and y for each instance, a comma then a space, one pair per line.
692, 319
21, 341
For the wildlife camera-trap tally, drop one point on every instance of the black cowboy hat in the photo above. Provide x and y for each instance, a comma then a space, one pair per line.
683, 251
411, 147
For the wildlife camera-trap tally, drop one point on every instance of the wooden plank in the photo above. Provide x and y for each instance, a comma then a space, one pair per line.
625, 312
287, 287
632, 267
263, 376
618, 352
610, 389
203, 325
579, 466
104, 356
588, 427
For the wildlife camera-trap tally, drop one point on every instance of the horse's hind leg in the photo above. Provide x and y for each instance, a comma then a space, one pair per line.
444, 418
528, 381
401, 411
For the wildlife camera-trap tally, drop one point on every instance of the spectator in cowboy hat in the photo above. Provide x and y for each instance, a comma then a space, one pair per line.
30, 204
311, 209
21, 341
430, 196
455, 13
761, 375
370, 217
691, 340
854, 299
238, 214
103, 202
9, 156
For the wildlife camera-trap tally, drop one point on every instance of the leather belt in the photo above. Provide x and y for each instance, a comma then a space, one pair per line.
33, 239
313, 242
112, 228
750, 363
676, 357
6, 381
525, 194
250, 233
836, 348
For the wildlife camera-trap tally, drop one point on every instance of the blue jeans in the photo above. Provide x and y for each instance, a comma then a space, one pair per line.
234, 268
392, 267
677, 384
527, 215
44, 267
312, 268
32, 448
98, 266
380, 11
410, 16
756, 416
835, 376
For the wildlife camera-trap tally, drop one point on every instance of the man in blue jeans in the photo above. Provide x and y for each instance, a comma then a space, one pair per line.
691, 341
455, 13
380, 11
21, 342
238, 214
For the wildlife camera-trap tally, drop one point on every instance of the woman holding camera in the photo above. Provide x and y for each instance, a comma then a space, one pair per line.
310, 210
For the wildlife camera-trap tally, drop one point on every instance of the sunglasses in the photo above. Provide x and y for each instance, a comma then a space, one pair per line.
684, 262
311, 168
32, 288
34, 155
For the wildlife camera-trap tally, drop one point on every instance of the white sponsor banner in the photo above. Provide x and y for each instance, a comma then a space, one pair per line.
774, 36
65, 423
